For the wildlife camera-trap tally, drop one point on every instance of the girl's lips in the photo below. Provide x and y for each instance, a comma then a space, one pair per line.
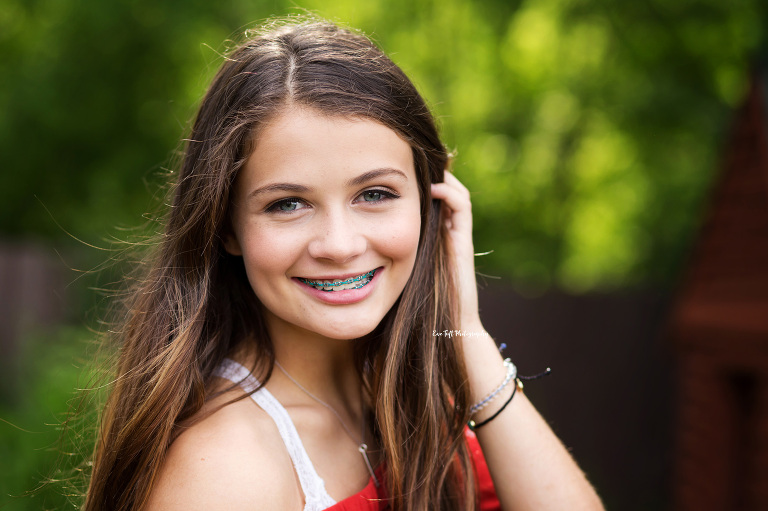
342, 297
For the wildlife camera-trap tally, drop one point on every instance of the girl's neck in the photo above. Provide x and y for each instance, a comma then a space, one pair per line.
323, 366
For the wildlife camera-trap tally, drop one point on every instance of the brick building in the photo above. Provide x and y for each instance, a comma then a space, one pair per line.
720, 331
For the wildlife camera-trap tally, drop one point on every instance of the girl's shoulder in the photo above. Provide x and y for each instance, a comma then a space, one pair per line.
232, 457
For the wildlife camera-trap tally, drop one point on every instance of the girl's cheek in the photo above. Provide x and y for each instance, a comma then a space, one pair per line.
266, 249
399, 236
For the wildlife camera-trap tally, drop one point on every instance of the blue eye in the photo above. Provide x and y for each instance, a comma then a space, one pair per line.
372, 195
286, 205
377, 196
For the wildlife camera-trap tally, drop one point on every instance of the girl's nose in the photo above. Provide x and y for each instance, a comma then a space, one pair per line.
337, 238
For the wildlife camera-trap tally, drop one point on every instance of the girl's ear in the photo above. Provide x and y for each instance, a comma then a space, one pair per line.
228, 238
232, 245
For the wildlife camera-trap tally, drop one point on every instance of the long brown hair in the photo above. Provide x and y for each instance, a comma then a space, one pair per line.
194, 304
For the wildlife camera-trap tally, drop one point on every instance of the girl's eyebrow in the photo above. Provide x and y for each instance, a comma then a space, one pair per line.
279, 187
374, 174
356, 181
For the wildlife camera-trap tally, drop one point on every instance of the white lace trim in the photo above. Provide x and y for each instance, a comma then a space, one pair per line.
312, 485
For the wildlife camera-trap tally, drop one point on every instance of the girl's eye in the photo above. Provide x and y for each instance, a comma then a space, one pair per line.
376, 195
371, 196
286, 205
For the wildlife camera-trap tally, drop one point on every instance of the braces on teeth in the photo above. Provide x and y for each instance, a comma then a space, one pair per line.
364, 279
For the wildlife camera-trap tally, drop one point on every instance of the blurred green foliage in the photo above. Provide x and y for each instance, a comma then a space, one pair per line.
47, 430
588, 130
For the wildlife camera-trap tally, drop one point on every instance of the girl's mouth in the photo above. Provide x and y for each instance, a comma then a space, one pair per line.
341, 285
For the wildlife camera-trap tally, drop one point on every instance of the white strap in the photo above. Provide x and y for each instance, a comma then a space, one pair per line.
312, 485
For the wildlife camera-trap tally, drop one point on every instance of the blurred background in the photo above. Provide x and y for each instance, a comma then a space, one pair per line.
617, 157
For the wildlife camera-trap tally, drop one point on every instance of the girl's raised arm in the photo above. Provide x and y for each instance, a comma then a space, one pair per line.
530, 467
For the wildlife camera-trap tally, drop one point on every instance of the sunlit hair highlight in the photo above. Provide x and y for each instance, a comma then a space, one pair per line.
194, 305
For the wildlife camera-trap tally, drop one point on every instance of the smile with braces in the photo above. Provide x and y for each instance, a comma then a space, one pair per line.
322, 285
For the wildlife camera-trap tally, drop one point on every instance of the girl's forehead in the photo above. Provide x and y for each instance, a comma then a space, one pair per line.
304, 143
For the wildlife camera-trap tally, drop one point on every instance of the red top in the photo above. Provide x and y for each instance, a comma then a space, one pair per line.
372, 498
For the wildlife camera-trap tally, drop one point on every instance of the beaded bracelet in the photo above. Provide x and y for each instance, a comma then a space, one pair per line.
477, 425
511, 375
518, 386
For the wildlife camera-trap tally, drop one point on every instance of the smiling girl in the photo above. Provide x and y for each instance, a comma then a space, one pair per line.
279, 352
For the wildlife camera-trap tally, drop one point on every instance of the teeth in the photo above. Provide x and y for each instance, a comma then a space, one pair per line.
341, 285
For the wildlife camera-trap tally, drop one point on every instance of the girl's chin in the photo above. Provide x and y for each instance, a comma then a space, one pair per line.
341, 325
344, 333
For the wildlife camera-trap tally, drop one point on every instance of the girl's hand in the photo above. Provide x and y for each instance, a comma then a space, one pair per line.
457, 210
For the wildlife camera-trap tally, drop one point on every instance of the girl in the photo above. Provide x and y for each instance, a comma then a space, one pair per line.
281, 350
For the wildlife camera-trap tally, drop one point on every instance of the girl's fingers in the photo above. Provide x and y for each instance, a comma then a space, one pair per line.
457, 211
456, 198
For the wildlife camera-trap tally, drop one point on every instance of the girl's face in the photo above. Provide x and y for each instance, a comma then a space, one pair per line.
326, 217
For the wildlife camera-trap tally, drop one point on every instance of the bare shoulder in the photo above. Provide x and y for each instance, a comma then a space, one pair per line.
234, 459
